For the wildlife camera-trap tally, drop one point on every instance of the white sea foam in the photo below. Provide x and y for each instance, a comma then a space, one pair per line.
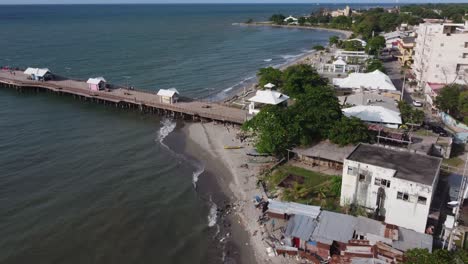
267, 60
289, 57
196, 174
168, 125
213, 214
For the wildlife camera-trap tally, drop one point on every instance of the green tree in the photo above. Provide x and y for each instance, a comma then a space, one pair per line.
302, 21
410, 114
375, 44
269, 75
275, 129
463, 106
334, 40
352, 45
374, 64
315, 111
277, 19
448, 99
439, 256
297, 78
341, 22
318, 47
388, 21
349, 131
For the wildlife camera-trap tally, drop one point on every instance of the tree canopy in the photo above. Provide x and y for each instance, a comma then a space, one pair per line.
269, 75
439, 256
349, 130
352, 45
375, 44
374, 64
277, 19
453, 99
410, 114
298, 78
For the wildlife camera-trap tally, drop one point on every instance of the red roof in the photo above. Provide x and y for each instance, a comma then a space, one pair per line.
435, 87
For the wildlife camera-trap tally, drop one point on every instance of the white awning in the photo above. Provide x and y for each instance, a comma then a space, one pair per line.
269, 97
269, 85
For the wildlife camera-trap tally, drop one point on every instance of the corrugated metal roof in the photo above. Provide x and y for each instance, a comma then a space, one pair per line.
409, 239
291, 208
300, 226
375, 80
96, 80
326, 150
334, 226
269, 97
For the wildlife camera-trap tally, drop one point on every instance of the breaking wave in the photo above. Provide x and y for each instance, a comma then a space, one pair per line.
196, 174
267, 60
213, 214
168, 125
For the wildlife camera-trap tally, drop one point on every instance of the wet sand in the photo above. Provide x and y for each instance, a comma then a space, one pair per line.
237, 181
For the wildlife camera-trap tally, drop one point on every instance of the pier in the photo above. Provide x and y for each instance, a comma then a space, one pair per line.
145, 101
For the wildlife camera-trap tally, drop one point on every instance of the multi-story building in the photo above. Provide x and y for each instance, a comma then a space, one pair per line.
441, 55
396, 185
405, 47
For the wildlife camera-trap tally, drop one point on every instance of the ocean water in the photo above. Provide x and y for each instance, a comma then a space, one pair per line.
85, 183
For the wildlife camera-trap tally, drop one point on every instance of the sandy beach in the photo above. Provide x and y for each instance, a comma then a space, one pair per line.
347, 33
242, 185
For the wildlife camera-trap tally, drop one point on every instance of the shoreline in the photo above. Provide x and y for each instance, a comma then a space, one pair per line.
240, 184
347, 33
303, 58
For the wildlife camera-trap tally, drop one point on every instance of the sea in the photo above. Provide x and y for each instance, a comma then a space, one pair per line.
86, 183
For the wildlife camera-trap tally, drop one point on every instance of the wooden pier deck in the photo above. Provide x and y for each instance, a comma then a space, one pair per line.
121, 97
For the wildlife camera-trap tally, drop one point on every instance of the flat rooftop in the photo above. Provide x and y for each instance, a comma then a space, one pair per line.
410, 166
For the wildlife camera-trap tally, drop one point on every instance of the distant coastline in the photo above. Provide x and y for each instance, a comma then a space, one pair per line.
347, 33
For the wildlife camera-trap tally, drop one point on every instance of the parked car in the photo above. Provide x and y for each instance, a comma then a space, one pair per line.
417, 103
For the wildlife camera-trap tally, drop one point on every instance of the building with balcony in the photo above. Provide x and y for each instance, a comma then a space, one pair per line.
405, 47
441, 55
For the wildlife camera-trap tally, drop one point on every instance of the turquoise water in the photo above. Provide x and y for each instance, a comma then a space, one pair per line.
84, 183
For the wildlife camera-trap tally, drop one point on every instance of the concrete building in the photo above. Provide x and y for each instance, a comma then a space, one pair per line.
342, 12
405, 50
397, 185
441, 55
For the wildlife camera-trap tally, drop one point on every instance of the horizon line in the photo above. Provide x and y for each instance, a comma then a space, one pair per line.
245, 3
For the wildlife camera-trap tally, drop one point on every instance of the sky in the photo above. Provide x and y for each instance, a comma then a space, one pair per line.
9, 2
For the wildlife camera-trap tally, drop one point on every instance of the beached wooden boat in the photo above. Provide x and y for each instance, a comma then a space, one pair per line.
233, 147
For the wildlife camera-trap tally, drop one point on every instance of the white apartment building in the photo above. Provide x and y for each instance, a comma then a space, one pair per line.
441, 54
397, 185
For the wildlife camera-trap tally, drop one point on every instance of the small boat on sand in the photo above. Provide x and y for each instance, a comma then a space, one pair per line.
233, 147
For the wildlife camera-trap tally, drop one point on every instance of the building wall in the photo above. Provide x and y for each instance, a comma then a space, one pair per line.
93, 87
438, 55
359, 187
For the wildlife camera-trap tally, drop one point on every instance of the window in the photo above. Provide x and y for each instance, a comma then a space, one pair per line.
466, 44
402, 196
362, 177
437, 65
465, 55
441, 44
352, 171
422, 200
382, 182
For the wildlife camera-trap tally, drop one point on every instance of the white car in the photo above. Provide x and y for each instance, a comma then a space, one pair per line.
417, 103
